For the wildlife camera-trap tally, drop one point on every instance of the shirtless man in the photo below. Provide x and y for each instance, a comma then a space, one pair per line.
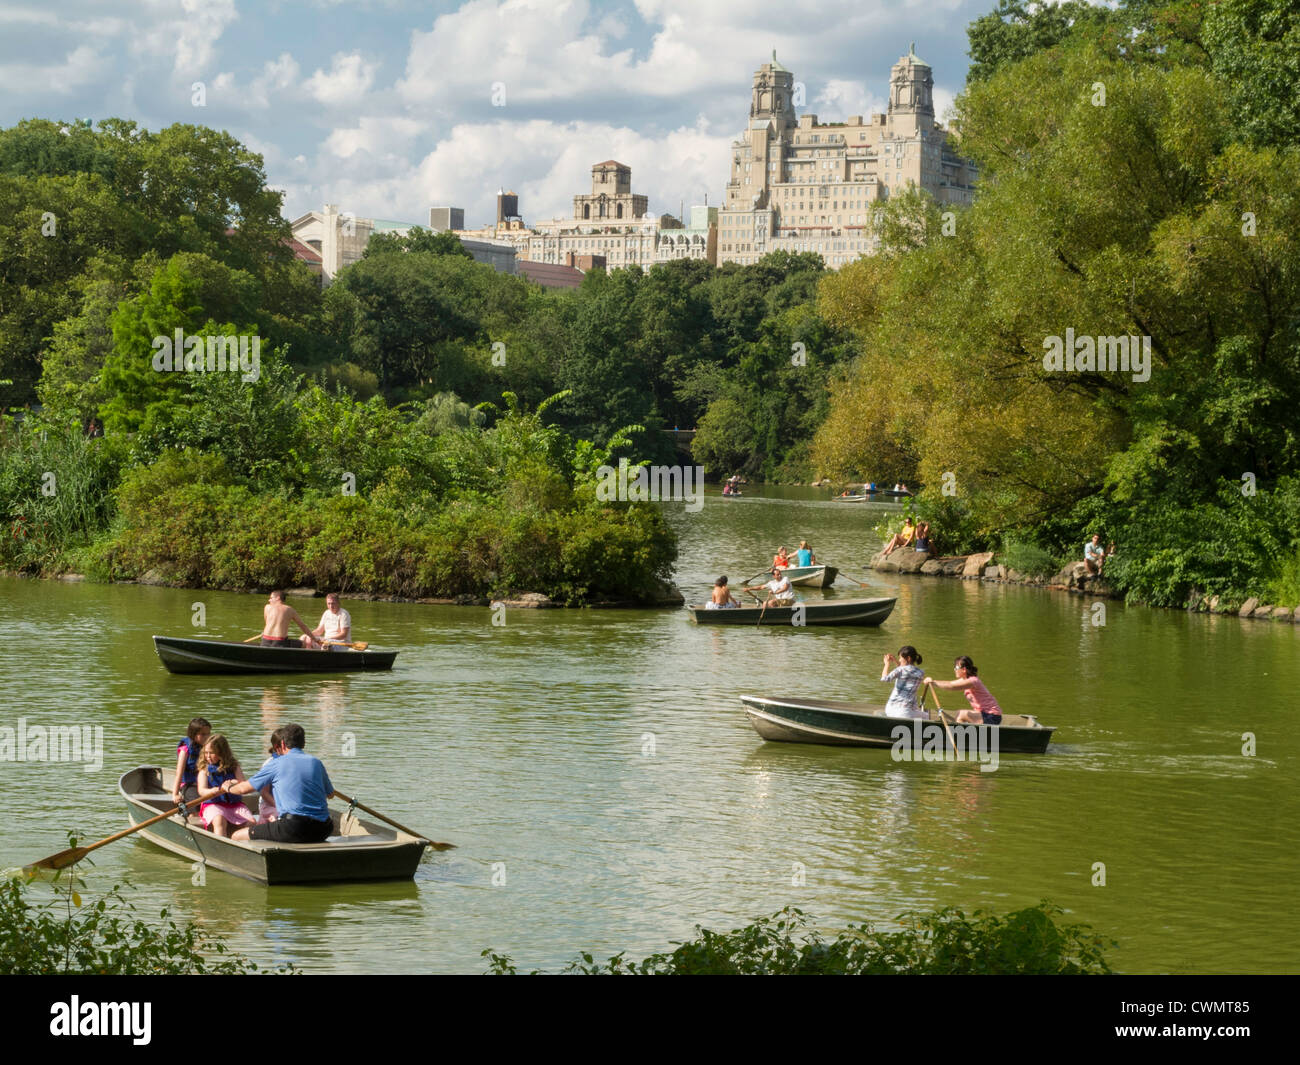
335, 624
278, 614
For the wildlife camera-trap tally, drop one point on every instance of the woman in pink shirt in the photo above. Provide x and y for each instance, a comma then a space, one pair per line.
984, 709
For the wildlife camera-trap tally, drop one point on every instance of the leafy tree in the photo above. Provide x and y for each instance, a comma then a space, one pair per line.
191, 293
418, 239
1255, 49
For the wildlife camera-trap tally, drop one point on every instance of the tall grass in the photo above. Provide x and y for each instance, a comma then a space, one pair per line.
56, 490
1284, 587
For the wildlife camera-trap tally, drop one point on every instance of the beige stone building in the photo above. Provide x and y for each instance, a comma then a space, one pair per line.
800, 185
610, 221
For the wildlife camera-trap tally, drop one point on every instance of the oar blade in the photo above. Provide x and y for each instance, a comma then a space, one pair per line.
56, 861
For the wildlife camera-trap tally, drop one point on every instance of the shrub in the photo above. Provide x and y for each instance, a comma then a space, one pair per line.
103, 938
1027, 942
1029, 559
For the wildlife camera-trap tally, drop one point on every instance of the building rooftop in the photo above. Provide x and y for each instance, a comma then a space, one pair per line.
550, 275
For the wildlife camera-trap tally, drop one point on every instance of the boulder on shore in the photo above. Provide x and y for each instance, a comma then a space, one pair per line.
885, 563
910, 561
975, 563
1248, 607
932, 567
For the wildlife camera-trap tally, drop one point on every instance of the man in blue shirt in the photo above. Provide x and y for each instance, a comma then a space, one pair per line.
300, 786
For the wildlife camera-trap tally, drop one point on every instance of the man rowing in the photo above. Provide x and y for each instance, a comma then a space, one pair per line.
300, 786
335, 626
278, 614
781, 589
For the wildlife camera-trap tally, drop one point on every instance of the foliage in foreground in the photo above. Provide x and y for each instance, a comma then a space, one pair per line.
1028, 942
104, 937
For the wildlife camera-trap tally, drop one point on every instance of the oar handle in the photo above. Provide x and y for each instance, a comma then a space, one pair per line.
388, 820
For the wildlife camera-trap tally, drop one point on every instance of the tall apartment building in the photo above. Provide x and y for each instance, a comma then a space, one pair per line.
800, 185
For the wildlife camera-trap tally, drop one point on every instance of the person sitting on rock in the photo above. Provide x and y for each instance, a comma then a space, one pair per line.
923, 537
902, 538
1094, 556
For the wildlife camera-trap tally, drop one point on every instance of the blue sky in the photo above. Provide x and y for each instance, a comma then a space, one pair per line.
386, 107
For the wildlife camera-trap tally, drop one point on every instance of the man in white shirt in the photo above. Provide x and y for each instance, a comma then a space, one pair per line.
335, 624
781, 589
1094, 557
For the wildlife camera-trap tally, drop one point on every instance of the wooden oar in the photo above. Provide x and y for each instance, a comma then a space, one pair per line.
74, 854
860, 584
361, 646
935, 696
252, 638
764, 573
388, 820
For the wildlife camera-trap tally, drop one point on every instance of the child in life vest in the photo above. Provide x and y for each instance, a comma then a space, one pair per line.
221, 810
184, 786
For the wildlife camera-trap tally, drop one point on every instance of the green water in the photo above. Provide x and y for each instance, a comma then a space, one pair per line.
599, 762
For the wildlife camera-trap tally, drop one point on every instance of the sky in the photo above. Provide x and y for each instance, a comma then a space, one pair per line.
389, 107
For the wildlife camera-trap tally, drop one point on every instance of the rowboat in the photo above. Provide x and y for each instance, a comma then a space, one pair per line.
225, 656
832, 612
359, 850
846, 724
864, 497
811, 576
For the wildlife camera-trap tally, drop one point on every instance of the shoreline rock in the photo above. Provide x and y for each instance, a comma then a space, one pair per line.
1073, 578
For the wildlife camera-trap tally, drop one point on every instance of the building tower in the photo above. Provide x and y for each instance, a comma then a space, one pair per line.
772, 97
611, 198
911, 96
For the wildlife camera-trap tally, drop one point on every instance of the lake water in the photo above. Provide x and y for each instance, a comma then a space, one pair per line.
605, 791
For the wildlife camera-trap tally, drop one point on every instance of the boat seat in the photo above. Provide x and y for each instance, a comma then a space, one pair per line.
355, 840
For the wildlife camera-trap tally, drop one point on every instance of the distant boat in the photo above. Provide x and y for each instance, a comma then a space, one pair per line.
863, 497
811, 576
182, 655
829, 612
845, 724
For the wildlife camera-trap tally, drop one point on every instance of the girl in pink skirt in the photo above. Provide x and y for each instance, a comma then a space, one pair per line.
220, 810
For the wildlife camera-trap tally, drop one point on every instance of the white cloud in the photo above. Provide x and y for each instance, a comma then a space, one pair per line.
82, 66
545, 162
189, 35
838, 99
278, 76
349, 79
378, 136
